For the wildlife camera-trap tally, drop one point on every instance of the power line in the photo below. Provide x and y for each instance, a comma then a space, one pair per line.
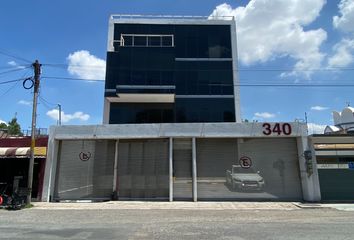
47, 102
13, 67
75, 79
64, 66
14, 56
239, 85
14, 70
15, 80
14, 85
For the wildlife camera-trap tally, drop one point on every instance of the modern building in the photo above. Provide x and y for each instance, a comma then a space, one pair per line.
171, 70
172, 125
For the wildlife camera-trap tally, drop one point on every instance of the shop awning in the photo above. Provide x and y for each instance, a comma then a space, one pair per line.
22, 152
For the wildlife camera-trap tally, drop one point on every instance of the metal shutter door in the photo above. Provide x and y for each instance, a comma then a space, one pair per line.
214, 156
277, 161
274, 173
143, 169
182, 169
90, 179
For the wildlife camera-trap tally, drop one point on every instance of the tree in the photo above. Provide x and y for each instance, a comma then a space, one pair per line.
13, 127
3, 126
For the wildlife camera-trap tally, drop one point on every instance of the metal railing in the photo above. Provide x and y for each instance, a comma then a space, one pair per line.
39, 132
137, 16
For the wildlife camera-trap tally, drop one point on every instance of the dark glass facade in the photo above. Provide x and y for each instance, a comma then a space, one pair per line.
195, 65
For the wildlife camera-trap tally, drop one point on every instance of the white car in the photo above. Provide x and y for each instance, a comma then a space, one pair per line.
244, 178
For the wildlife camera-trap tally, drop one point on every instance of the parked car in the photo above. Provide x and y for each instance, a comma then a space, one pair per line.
239, 178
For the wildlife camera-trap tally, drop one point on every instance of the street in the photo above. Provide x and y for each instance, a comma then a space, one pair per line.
287, 223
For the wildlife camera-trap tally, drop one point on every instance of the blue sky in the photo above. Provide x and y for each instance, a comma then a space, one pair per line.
279, 42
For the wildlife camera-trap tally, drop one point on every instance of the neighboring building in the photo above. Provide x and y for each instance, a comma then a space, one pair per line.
334, 152
175, 82
171, 71
14, 163
343, 122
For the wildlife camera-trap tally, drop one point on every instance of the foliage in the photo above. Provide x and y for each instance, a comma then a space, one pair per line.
3, 126
14, 127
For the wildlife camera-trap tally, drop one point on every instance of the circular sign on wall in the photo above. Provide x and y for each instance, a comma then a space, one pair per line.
85, 156
245, 162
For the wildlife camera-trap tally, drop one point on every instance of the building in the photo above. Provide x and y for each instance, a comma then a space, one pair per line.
334, 151
174, 132
14, 163
343, 122
171, 71
335, 165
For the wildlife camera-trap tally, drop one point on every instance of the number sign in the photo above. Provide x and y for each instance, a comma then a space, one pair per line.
278, 128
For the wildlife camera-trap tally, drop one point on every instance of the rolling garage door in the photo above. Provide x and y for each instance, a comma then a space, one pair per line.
143, 169
85, 170
264, 168
182, 169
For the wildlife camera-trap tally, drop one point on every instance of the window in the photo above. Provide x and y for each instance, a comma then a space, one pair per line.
146, 40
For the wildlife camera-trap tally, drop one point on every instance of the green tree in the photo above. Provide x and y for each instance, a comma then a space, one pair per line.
13, 127
3, 126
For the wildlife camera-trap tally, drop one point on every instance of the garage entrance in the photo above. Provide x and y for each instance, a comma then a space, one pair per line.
250, 168
143, 169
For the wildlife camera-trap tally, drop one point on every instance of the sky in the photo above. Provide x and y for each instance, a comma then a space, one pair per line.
304, 42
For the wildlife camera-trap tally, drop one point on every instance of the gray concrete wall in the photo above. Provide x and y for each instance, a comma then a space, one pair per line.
310, 185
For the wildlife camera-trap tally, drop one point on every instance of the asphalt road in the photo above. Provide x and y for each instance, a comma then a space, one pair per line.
177, 224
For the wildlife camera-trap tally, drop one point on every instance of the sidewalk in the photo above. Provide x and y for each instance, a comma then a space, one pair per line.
140, 205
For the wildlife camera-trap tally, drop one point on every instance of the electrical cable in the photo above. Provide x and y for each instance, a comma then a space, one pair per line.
13, 67
65, 66
75, 79
14, 70
26, 86
239, 85
13, 56
44, 104
46, 101
14, 85
10, 81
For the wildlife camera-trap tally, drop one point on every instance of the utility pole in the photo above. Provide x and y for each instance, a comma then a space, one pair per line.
37, 72
59, 108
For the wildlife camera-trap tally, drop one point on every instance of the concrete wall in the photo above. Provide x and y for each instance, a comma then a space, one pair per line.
310, 185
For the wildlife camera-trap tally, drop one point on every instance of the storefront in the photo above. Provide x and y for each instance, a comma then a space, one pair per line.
193, 162
335, 164
14, 162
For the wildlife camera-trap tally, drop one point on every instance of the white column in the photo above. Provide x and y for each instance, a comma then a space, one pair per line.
194, 170
115, 168
171, 168
235, 72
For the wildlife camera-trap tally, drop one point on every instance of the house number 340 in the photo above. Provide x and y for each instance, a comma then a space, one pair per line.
278, 128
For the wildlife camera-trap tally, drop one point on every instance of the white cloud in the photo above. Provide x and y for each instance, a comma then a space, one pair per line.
345, 21
265, 115
343, 53
2, 121
54, 114
84, 65
319, 108
314, 128
269, 29
12, 63
15, 64
23, 102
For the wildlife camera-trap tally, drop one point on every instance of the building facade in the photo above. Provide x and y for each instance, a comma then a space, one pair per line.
14, 163
179, 161
171, 70
173, 127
